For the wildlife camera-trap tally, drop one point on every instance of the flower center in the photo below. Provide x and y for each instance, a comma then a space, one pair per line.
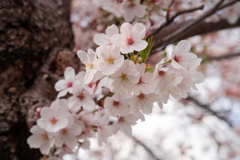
130, 41
141, 96
161, 73
89, 65
123, 77
44, 136
140, 81
64, 131
121, 120
81, 96
53, 120
177, 58
116, 103
69, 84
110, 59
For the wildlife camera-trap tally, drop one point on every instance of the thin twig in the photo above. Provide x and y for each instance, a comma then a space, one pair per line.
168, 10
145, 147
224, 57
190, 26
170, 20
207, 108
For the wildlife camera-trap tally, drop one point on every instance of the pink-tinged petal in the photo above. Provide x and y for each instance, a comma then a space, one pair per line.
71, 142
45, 147
101, 39
115, 127
176, 65
118, 40
139, 31
60, 124
118, 62
69, 73
140, 10
112, 30
46, 113
110, 69
91, 54
83, 56
35, 141
124, 111
62, 93
77, 90
37, 130
182, 47
75, 130
139, 45
88, 104
60, 85
126, 30
115, 51
126, 128
58, 141
128, 15
89, 76
104, 121
43, 124
127, 49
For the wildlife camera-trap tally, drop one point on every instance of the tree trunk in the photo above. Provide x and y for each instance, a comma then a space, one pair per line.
30, 31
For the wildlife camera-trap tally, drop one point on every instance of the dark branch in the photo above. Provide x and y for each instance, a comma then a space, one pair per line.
175, 32
207, 108
224, 57
145, 147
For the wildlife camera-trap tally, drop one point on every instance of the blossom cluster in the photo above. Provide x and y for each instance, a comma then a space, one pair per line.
114, 92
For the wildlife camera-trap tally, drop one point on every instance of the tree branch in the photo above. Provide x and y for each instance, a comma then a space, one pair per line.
145, 147
224, 57
184, 30
207, 108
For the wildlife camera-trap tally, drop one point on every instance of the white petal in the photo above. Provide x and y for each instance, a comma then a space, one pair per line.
45, 147
83, 56
126, 128
60, 85
62, 93
139, 31
69, 73
111, 30
139, 45
126, 30
140, 10
101, 39
35, 141
183, 46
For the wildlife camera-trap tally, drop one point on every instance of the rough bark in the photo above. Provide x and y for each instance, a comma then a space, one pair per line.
29, 31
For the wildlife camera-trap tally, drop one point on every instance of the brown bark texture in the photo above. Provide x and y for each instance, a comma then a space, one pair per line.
34, 35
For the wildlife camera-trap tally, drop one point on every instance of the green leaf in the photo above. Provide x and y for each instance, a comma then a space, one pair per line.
145, 53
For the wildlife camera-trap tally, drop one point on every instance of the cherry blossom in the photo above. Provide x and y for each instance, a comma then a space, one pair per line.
104, 39
231, 14
52, 120
130, 38
87, 59
117, 105
81, 98
104, 130
124, 78
68, 135
40, 139
109, 59
133, 8
66, 85
124, 124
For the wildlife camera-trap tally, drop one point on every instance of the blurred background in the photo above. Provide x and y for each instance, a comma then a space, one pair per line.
39, 39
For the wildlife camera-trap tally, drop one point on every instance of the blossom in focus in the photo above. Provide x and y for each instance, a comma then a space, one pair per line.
104, 39
130, 38
40, 139
117, 105
87, 59
124, 78
66, 85
181, 56
124, 123
68, 135
109, 59
53, 119
81, 98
